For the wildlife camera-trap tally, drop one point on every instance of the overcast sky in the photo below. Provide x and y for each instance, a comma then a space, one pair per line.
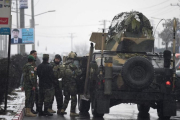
82, 17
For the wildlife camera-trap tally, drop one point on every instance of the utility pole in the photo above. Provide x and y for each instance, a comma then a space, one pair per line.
32, 22
72, 36
158, 40
17, 19
104, 25
5, 45
22, 24
0, 44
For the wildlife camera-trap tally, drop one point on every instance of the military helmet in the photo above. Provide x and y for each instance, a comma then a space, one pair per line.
57, 56
72, 55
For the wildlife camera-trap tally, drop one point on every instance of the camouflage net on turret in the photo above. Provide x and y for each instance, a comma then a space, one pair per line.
128, 24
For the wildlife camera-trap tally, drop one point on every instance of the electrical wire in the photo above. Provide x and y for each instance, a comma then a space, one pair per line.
71, 26
36, 3
155, 5
161, 11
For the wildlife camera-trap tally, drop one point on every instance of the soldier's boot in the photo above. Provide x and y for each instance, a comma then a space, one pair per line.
40, 111
62, 112
34, 112
59, 112
74, 114
46, 113
51, 110
29, 113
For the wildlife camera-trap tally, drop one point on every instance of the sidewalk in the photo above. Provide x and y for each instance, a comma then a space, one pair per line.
15, 106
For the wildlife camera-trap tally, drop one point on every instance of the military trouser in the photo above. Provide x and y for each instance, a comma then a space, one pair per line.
70, 90
57, 92
29, 97
35, 98
44, 96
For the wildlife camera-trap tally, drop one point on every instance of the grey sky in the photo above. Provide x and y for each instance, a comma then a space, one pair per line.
82, 17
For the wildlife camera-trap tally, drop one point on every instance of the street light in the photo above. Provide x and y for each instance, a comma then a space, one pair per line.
161, 19
32, 22
175, 4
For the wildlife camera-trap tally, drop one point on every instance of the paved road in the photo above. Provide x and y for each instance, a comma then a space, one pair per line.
119, 112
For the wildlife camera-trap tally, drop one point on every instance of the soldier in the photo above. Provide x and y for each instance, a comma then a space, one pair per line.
57, 92
34, 54
70, 88
29, 85
46, 81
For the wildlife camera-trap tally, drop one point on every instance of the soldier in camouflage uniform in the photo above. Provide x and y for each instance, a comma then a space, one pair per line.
34, 54
70, 88
57, 92
29, 85
46, 81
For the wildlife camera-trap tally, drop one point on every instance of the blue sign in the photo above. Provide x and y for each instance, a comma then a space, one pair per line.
23, 4
22, 36
5, 31
1, 6
28, 35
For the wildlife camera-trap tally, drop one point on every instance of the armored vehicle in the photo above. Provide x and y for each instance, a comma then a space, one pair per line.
127, 70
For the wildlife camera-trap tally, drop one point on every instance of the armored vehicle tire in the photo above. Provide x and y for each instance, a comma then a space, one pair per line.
160, 112
143, 108
83, 105
137, 72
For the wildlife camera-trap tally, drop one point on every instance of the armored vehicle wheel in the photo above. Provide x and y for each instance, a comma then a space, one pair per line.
83, 105
138, 72
93, 110
160, 112
143, 108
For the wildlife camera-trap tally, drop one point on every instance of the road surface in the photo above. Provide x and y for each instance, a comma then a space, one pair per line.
118, 112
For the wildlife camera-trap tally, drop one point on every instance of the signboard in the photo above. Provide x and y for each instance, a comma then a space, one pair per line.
5, 17
23, 4
22, 36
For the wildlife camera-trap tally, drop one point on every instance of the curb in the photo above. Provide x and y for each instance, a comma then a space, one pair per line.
20, 113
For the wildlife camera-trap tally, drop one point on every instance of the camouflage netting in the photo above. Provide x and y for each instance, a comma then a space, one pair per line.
15, 71
128, 24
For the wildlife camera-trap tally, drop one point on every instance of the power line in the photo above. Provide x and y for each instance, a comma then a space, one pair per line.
48, 36
71, 26
169, 10
160, 11
154, 5
36, 3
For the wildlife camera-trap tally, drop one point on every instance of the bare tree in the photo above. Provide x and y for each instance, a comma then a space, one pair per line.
167, 33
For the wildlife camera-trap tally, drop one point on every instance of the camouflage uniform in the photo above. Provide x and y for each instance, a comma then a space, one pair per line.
36, 91
46, 81
70, 87
57, 92
29, 83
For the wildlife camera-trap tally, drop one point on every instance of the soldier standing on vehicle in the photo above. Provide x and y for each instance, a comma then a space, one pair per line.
46, 81
34, 54
57, 92
29, 85
70, 88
